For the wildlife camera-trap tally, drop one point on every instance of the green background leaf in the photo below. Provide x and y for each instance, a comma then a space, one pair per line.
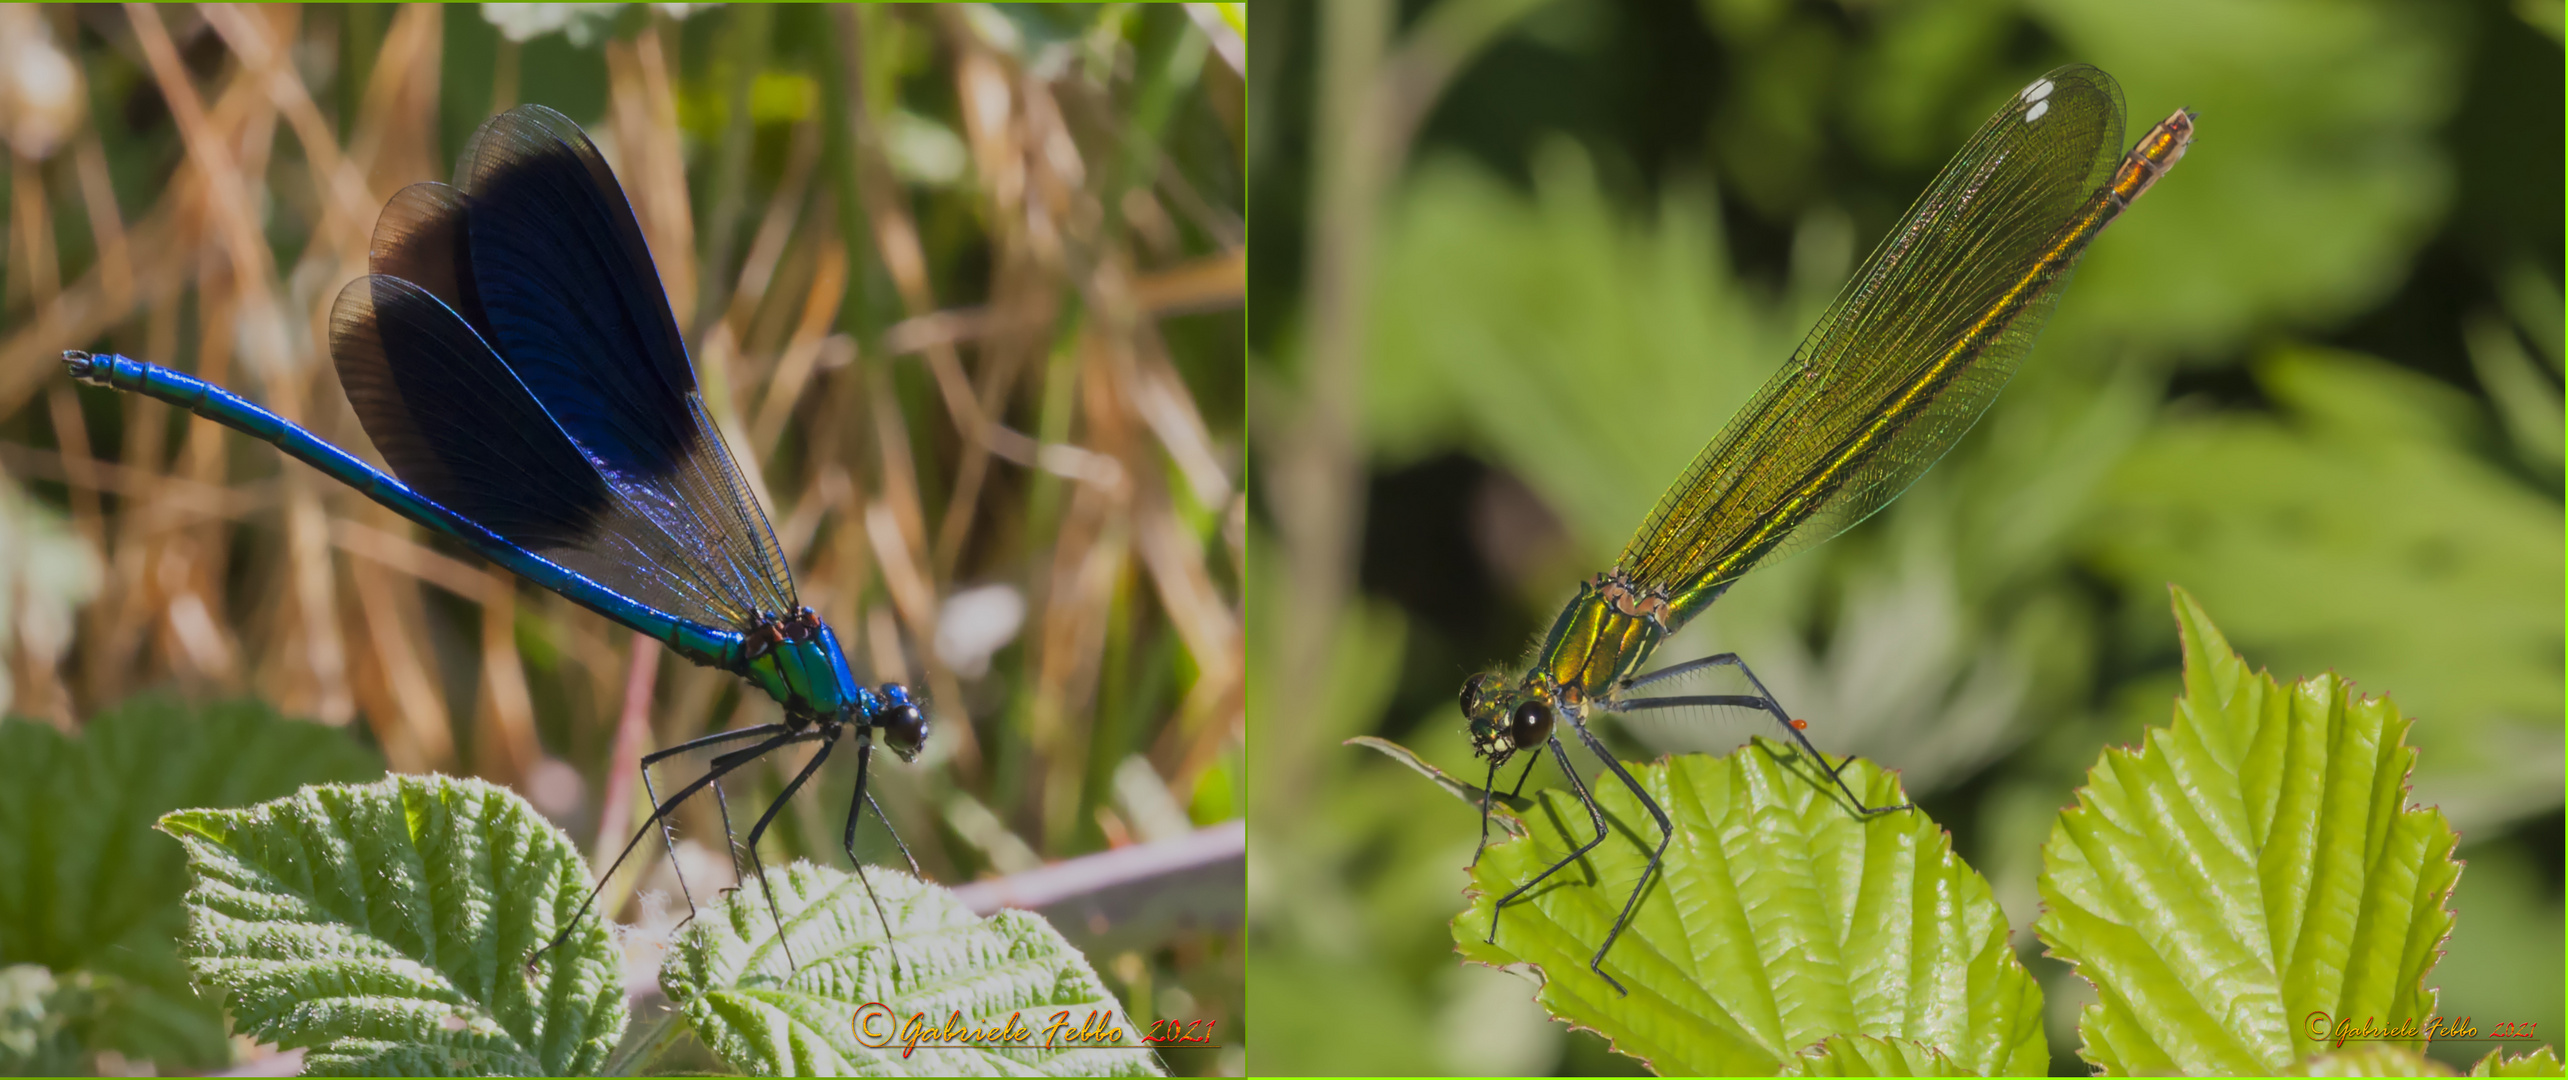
2254, 865
1782, 919
2370, 476
387, 927
769, 1014
2541, 1062
86, 889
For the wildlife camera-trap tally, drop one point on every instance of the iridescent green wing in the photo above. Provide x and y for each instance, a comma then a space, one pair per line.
1907, 357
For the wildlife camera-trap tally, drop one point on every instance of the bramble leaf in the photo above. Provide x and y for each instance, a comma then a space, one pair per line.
2541, 1062
830, 996
1782, 920
2251, 873
387, 927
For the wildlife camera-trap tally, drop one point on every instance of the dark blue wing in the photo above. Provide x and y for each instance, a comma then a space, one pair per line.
572, 296
421, 239
450, 418
536, 252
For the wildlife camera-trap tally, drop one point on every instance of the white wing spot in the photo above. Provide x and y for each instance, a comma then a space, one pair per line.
2040, 89
2035, 113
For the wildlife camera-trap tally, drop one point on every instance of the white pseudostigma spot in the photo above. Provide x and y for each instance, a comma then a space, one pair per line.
2035, 113
2040, 89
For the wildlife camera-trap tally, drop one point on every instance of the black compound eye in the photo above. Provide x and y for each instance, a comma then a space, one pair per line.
1529, 725
1474, 692
904, 730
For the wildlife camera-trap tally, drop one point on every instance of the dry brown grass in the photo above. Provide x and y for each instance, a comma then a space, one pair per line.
1036, 424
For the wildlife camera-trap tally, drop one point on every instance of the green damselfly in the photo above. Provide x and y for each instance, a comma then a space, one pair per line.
1897, 369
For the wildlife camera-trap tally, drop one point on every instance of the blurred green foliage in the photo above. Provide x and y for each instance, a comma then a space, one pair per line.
89, 896
2364, 476
2314, 377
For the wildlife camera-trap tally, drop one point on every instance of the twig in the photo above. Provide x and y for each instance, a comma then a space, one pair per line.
1132, 897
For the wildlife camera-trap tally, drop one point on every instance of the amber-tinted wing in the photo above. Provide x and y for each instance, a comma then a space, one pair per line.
1909, 355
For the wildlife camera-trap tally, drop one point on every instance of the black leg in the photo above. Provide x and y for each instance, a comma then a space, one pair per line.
1489, 797
778, 735
1594, 814
730, 839
856, 812
760, 829
1687, 668
669, 839
1667, 832
716, 739
896, 838
856, 808
1763, 700
668, 836
1519, 789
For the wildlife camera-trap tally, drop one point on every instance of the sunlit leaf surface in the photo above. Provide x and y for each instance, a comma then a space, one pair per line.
388, 926
1782, 919
2252, 872
829, 995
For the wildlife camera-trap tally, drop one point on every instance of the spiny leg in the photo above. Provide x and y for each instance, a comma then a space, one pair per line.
781, 735
1667, 832
855, 812
1519, 789
1595, 815
760, 829
722, 804
669, 839
1489, 798
1687, 668
668, 836
730, 839
721, 766
1763, 700
896, 838
864, 759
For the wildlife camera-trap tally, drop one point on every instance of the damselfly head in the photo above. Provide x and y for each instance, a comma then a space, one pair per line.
1483, 705
1505, 718
904, 724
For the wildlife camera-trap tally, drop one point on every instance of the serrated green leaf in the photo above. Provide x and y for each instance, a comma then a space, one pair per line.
1872, 1055
86, 887
387, 926
2249, 873
1782, 920
2541, 1062
820, 1011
